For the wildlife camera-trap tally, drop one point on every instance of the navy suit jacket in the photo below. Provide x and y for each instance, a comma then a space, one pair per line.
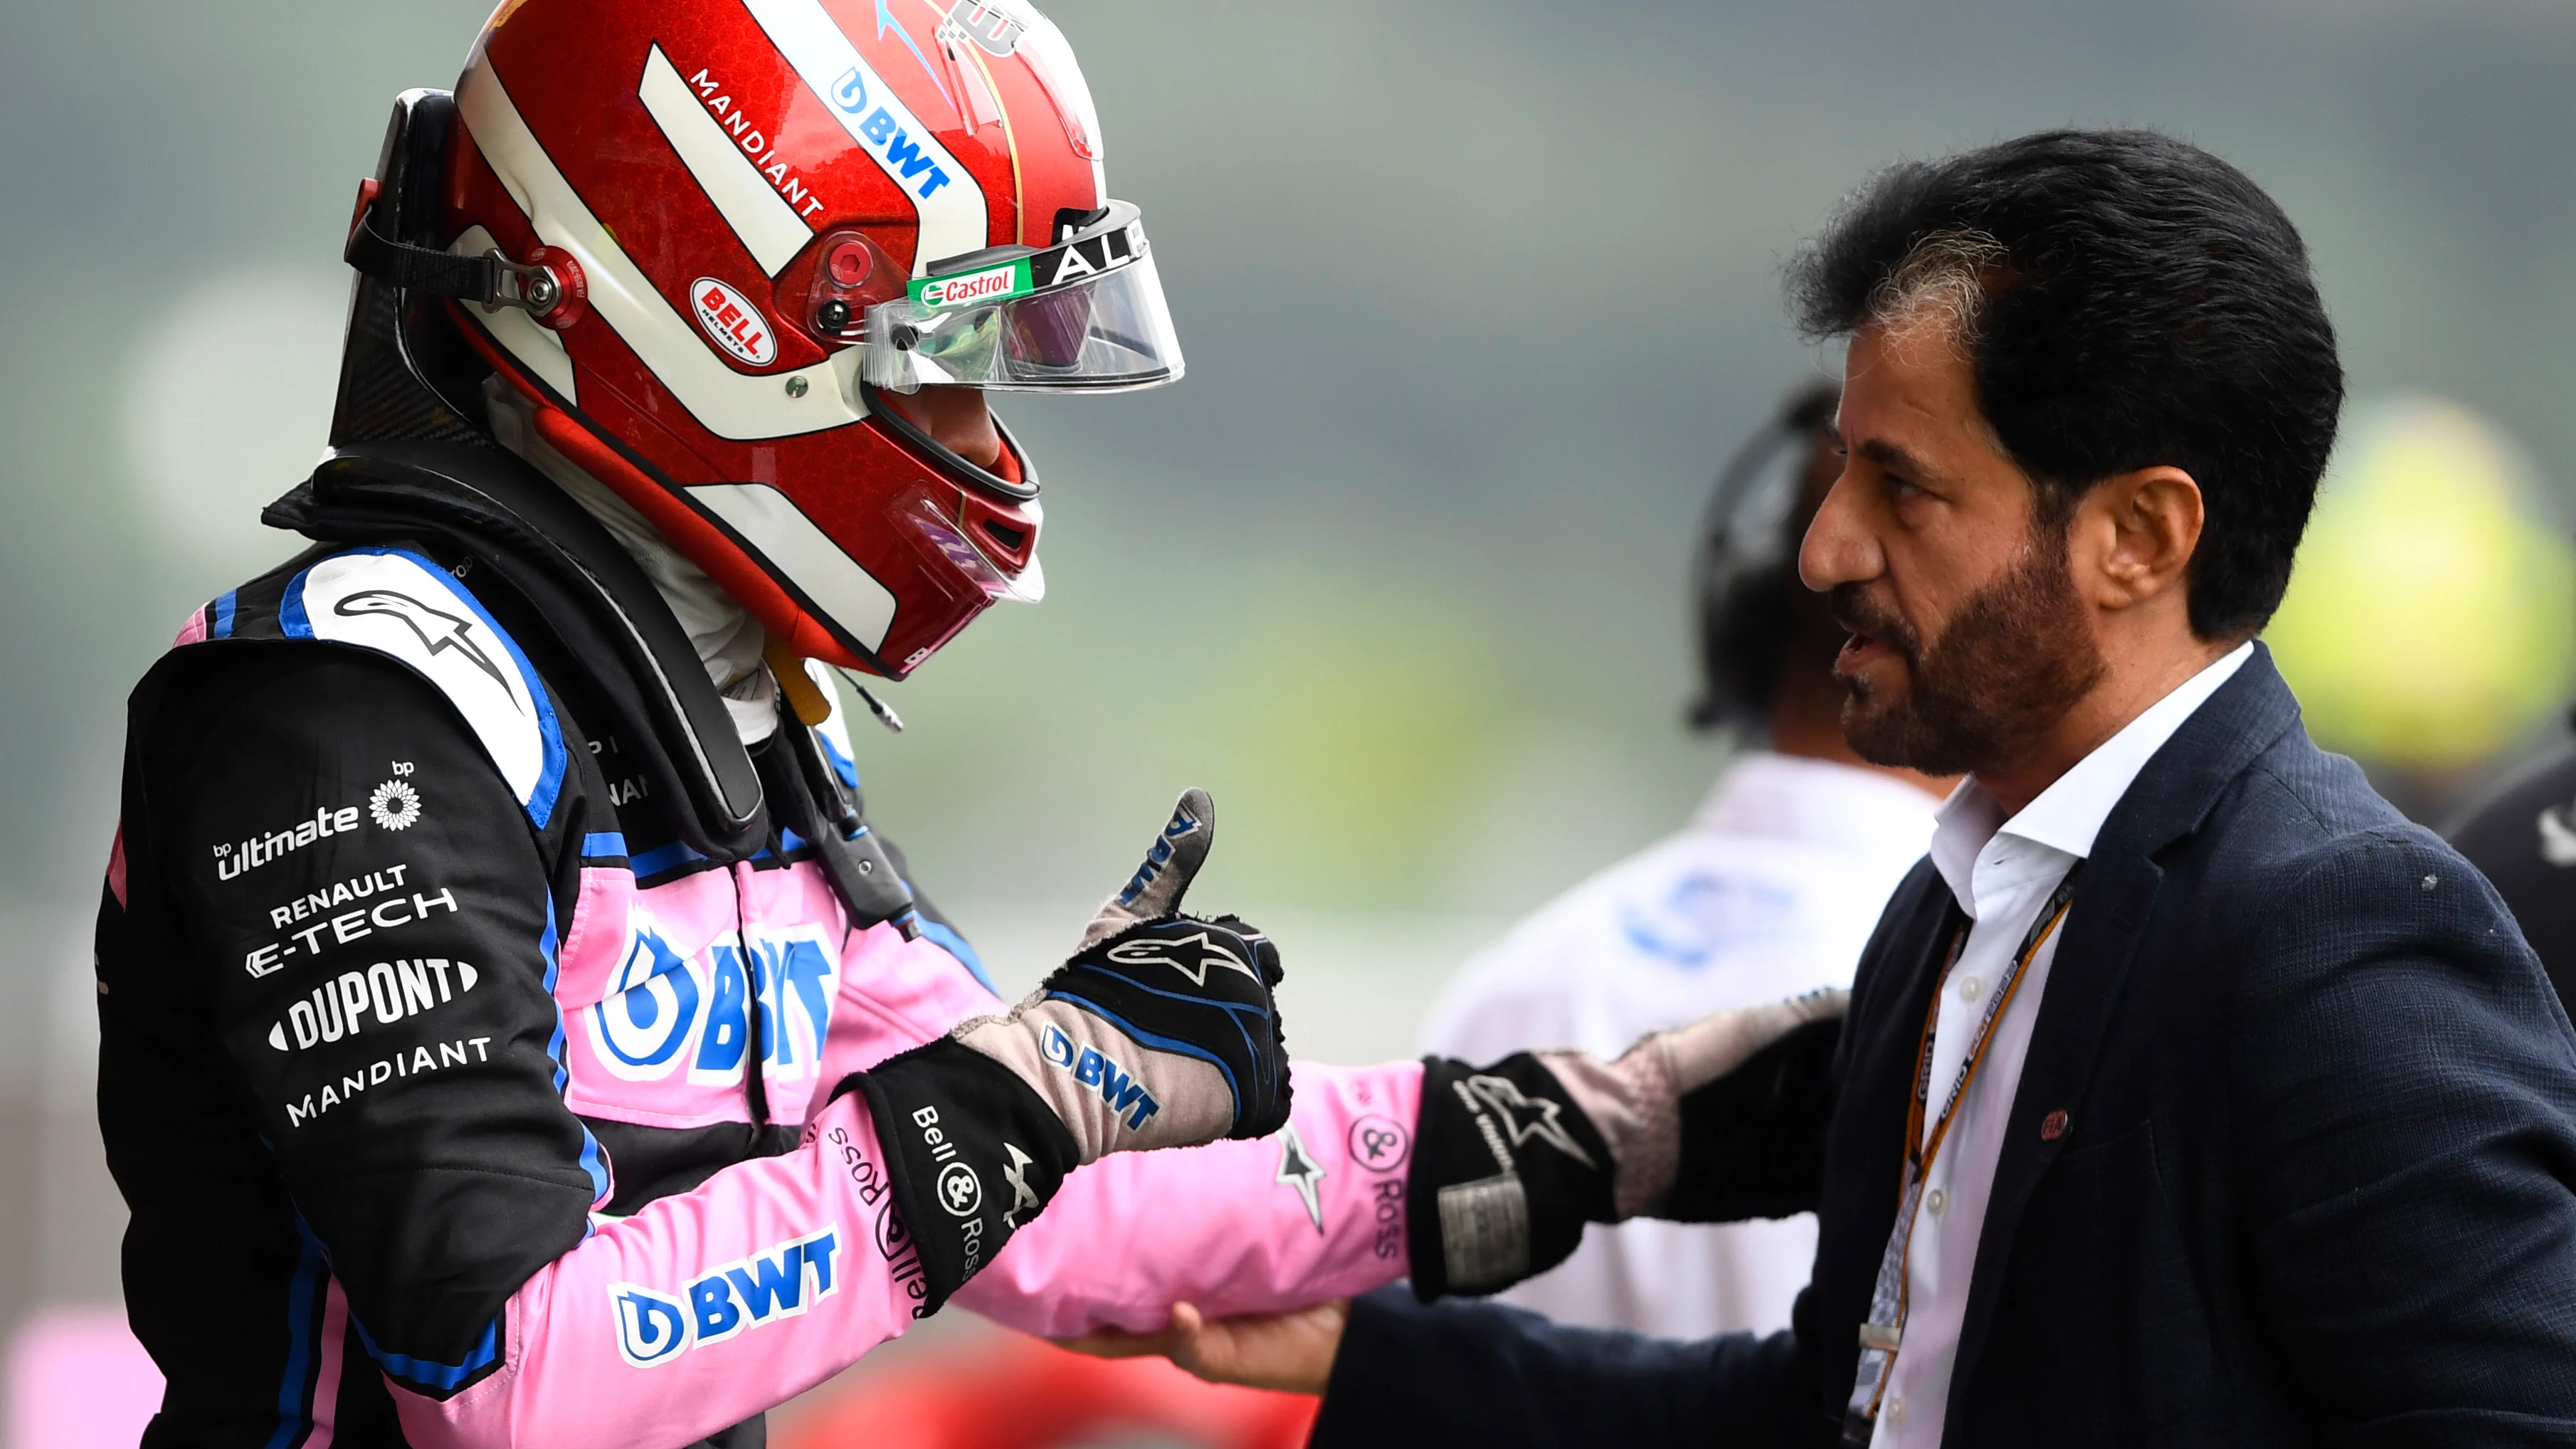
2315, 1179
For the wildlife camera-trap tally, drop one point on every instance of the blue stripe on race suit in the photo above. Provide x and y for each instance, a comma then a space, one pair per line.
304, 1295
603, 845
312, 1282
291, 619
662, 858
429, 1373
955, 945
1143, 1037
555, 761
223, 626
592, 1161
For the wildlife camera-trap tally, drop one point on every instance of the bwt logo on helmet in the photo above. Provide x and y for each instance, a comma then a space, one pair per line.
896, 151
735, 324
1116, 1085
654, 1328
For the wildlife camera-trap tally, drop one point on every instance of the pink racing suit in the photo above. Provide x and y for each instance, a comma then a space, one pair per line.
461, 1101
1315, 1212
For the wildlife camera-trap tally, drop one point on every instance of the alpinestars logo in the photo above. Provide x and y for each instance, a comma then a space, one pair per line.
1299, 1169
1150, 952
1522, 1118
439, 630
395, 805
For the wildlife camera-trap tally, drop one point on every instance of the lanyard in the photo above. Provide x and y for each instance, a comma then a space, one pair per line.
1881, 1336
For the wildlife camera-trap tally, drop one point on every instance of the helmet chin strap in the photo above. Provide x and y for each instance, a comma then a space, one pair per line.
731, 644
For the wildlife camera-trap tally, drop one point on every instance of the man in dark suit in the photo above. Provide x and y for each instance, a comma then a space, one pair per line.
2188, 1094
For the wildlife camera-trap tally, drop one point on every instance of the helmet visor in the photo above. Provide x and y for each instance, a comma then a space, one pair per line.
1085, 314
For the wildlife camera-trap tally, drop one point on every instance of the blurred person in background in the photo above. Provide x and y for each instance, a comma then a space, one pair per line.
2523, 836
2430, 632
1768, 893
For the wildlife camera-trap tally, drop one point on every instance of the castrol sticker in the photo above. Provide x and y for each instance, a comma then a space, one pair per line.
735, 324
965, 291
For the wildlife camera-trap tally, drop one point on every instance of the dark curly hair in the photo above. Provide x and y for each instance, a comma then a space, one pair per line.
2126, 300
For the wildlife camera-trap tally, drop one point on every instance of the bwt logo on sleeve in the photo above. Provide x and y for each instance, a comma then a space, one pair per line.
654, 1328
1116, 1085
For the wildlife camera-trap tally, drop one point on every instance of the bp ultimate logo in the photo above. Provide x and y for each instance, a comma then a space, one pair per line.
653, 1328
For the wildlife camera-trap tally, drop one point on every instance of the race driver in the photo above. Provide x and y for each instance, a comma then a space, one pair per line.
512, 1030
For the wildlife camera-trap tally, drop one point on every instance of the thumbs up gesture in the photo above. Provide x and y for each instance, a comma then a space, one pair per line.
1161, 1030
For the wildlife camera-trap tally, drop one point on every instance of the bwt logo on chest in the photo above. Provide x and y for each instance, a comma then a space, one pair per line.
696, 1017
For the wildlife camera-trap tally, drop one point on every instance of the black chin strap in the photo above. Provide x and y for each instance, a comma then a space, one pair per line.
421, 269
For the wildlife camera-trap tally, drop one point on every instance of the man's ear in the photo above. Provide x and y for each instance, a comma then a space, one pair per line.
2133, 536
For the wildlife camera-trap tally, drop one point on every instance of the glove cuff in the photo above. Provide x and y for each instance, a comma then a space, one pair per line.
973, 1152
1507, 1170
1635, 1106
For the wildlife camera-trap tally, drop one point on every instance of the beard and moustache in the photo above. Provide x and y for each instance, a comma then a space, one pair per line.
2003, 671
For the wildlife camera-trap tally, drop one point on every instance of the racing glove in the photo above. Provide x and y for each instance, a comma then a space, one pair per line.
1717, 1121
1160, 1031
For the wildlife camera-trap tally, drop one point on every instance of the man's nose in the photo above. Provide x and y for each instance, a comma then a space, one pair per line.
1838, 548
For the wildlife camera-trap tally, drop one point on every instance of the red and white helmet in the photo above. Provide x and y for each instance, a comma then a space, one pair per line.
724, 226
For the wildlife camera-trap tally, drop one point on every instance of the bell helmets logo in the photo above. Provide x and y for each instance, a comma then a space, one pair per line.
735, 324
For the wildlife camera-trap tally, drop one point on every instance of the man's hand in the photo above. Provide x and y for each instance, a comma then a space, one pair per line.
1291, 1351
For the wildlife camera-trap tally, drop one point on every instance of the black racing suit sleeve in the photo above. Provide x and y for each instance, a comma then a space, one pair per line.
375, 925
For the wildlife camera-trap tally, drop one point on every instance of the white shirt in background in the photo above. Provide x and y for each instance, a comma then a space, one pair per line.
2002, 872
1771, 890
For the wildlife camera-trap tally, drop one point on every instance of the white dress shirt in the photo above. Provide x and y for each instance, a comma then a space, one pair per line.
1772, 890
2003, 871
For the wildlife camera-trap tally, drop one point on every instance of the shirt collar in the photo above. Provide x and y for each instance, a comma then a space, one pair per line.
2068, 814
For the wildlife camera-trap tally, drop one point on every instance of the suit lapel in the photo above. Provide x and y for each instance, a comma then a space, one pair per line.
2084, 985
2119, 889
1865, 1152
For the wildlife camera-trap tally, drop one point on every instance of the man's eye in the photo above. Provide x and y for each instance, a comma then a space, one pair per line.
1903, 488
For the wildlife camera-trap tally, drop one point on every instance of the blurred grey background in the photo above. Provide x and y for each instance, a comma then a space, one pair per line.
1475, 296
